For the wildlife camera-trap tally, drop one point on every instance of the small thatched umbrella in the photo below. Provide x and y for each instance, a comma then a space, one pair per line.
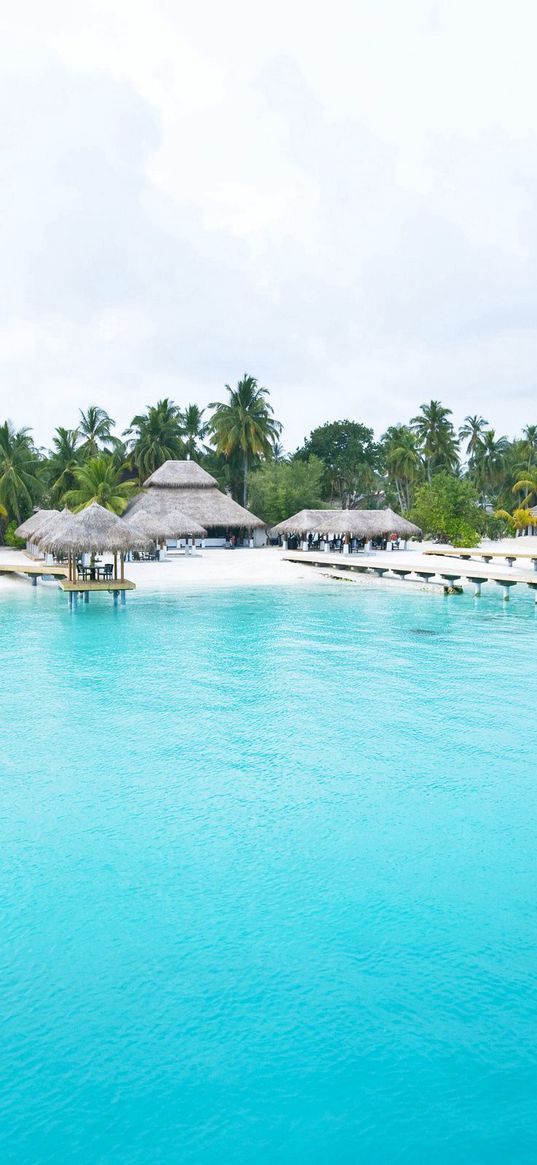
386, 522
165, 522
60, 521
93, 530
28, 528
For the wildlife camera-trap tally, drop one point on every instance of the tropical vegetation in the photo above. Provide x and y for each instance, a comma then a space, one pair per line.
455, 483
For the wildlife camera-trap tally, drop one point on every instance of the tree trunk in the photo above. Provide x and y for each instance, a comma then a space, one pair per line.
245, 480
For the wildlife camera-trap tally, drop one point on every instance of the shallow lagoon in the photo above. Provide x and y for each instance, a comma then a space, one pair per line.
268, 872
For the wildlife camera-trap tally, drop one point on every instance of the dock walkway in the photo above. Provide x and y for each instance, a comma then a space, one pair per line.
466, 554
33, 570
448, 571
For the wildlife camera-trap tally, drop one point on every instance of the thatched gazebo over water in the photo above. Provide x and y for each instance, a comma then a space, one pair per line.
185, 487
92, 531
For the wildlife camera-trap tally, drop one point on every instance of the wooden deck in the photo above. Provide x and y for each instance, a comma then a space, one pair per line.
109, 584
33, 569
469, 554
442, 569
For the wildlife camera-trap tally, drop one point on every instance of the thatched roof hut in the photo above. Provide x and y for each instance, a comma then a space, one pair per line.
388, 522
185, 486
93, 530
28, 528
166, 522
356, 523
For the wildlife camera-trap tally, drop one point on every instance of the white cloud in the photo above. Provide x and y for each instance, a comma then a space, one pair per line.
340, 201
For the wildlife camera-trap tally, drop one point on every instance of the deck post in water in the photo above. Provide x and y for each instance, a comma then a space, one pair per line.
477, 585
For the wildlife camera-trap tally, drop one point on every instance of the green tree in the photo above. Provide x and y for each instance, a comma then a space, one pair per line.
243, 427
155, 437
194, 430
529, 445
520, 520
471, 431
436, 437
281, 488
63, 459
20, 484
95, 429
99, 480
351, 459
447, 509
528, 485
488, 461
404, 463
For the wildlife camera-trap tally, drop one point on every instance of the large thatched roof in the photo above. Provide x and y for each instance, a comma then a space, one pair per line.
167, 521
185, 486
37, 520
181, 475
93, 530
356, 523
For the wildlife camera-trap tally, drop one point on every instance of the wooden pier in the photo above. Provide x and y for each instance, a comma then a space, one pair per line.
34, 570
445, 572
467, 555
73, 587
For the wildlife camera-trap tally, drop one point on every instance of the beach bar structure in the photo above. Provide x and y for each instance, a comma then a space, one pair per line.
80, 537
346, 526
185, 487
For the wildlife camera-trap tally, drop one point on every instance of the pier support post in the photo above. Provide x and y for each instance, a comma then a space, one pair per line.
34, 580
477, 590
86, 596
123, 598
116, 597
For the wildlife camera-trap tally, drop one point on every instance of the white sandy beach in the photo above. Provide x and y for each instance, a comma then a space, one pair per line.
234, 568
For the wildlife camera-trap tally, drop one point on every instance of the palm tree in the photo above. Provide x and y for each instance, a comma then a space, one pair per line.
529, 444
99, 480
403, 461
95, 429
194, 429
244, 426
64, 458
155, 436
528, 483
520, 520
19, 482
489, 460
471, 432
436, 437
278, 453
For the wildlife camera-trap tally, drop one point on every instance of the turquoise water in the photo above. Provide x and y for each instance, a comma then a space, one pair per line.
269, 874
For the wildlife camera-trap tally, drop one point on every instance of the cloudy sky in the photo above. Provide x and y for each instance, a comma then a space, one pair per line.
337, 198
